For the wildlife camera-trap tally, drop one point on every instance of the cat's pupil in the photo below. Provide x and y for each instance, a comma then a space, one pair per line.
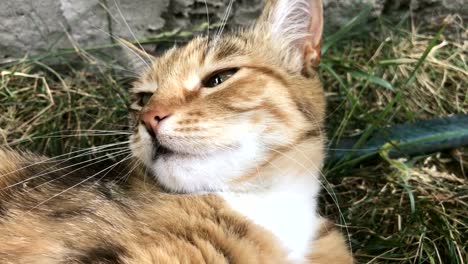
219, 78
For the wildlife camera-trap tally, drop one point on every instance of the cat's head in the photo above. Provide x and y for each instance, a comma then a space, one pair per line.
210, 114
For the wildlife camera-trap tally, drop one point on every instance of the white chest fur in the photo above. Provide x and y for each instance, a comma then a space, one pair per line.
289, 214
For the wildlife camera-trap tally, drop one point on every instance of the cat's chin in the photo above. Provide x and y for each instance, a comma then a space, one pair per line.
214, 171
160, 151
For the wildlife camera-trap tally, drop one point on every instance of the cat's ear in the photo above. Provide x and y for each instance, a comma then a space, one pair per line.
135, 59
295, 27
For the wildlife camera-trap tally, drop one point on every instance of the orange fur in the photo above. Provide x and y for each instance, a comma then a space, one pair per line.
257, 133
330, 247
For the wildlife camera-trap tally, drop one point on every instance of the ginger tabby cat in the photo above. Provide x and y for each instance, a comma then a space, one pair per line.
229, 135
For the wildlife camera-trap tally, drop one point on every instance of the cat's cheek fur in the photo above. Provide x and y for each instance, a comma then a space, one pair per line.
215, 134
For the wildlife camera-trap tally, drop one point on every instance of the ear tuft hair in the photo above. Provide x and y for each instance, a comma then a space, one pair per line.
295, 27
290, 21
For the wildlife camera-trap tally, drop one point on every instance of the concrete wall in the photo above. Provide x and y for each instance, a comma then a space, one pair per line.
36, 26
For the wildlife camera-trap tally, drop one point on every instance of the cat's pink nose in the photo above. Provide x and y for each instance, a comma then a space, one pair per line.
151, 118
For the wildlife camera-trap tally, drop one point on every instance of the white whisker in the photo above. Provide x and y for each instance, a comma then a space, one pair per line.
79, 183
127, 175
99, 159
227, 13
133, 34
83, 152
96, 161
208, 20
329, 192
129, 49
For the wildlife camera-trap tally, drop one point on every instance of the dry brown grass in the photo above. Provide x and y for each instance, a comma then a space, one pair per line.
411, 210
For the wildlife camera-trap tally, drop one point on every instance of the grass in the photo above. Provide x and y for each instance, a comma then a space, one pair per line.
411, 210
376, 73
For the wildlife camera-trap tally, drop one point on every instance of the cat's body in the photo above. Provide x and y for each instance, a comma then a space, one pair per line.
136, 222
231, 129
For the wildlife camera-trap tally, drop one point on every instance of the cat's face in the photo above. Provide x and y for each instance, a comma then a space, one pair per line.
212, 113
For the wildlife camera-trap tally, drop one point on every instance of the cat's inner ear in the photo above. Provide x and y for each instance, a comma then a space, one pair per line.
135, 59
296, 27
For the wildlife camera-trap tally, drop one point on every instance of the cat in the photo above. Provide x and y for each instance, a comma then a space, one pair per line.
227, 145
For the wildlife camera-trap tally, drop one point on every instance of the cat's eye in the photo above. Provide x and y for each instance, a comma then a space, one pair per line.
143, 98
219, 77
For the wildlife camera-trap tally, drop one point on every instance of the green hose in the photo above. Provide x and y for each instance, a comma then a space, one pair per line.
406, 140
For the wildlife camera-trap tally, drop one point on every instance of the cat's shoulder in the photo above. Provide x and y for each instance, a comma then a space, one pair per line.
11, 162
330, 246
10, 159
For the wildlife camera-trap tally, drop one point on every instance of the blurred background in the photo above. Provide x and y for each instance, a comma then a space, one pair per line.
390, 67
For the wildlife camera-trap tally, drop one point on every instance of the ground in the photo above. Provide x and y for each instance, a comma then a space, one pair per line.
376, 73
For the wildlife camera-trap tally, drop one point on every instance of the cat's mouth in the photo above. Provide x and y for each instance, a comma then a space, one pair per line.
164, 146
159, 150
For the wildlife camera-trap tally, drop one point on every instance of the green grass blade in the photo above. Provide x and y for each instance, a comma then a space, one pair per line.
345, 30
371, 78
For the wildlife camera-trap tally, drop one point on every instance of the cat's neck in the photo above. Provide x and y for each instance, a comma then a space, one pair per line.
285, 202
295, 169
